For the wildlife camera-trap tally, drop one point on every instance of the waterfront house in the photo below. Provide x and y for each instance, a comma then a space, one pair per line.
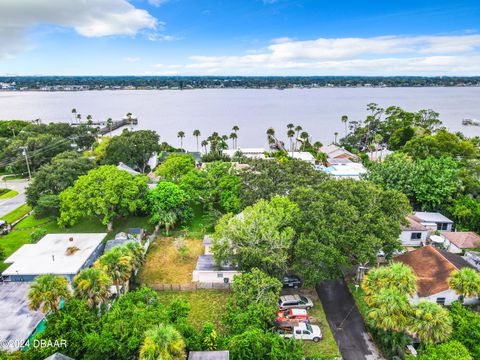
433, 268
336, 152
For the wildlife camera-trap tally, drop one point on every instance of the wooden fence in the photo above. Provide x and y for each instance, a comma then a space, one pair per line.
190, 286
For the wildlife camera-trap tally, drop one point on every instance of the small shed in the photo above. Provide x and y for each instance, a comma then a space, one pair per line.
207, 271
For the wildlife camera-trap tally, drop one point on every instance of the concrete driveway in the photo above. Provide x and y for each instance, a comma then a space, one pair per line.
346, 322
8, 205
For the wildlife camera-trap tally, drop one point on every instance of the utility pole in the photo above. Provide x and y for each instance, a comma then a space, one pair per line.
24, 153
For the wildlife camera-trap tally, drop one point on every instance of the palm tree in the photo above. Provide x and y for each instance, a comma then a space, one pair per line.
317, 145
304, 136
465, 282
204, 145
74, 113
298, 128
389, 309
335, 134
396, 276
290, 126
345, 121
89, 120
270, 135
162, 342
291, 134
431, 323
79, 117
46, 292
109, 125
117, 263
196, 133
92, 285
233, 136
181, 135
137, 252
235, 129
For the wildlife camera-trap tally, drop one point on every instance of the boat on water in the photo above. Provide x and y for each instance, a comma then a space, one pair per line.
472, 122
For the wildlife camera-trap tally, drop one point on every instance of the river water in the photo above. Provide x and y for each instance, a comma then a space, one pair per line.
318, 111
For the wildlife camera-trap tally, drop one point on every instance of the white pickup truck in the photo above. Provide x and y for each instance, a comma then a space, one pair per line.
301, 331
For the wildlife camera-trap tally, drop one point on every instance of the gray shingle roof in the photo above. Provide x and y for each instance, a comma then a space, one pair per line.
206, 263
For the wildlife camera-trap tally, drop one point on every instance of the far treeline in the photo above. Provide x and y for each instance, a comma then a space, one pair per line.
253, 82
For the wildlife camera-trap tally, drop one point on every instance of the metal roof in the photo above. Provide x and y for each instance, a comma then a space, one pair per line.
206, 263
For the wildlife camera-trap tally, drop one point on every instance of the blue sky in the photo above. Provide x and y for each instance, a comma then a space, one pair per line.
239, 37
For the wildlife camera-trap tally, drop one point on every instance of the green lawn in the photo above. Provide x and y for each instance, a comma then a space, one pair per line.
8, 194
207, 306
196, 227
17, 213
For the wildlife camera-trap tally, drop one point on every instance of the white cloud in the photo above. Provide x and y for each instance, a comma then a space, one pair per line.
157, 3
409, 55
90, 18
131, 59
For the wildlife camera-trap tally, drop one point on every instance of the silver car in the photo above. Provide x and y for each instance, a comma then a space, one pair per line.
295, 301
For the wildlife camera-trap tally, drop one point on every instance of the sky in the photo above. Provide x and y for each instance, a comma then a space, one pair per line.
239, 37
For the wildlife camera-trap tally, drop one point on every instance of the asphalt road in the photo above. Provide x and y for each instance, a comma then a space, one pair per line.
8, 205
346, 322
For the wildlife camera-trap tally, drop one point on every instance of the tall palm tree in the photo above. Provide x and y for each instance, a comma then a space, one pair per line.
181, 135
74, 113
291, 134
235, 129
304, 136
298, 128
92, 285
46, 292
204, 145
431, 323
335, 134
345, 122
109, 125
79, 117
117, 263
233, 136
317, 145
162, 342
196, 133
465, 282
89, 120
270, 135
290, 126
390, 309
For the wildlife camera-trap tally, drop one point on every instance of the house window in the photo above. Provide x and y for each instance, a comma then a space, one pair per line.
219, 275
441, 300
416, 236
442, 226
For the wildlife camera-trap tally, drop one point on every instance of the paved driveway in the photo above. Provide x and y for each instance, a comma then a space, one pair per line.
346, 322
8, 205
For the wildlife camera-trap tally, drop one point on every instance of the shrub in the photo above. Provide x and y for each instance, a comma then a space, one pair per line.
37, 235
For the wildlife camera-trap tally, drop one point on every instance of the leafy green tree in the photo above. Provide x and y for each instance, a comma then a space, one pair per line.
168, 204
451, 350
93, 286
55, 177
431, 323
133, 148
117, 264
466, 212
254, 301
344, 223
209, 337
106, 193
178, 310
162, 342
465, 282
175, 166
466, 328
121, 331
46, 291
260, 237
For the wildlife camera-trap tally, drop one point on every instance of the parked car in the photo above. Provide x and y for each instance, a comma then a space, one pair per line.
292, 315
295, 301
292, 281
301, 331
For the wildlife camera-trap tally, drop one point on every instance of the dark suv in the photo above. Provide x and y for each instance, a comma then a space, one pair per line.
291, 281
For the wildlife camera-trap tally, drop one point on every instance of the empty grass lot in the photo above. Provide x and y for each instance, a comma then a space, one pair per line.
164, 265
207, 305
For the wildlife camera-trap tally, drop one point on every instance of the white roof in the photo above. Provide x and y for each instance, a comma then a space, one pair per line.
348, 170
432, 217
49, 255
302, 155
257, 153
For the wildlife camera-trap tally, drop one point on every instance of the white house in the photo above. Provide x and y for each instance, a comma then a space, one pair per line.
433, 267
413, 234
59, 254
433, 220
458, 241
207, 271
302, 155
251, 153
333, 151
349, 170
